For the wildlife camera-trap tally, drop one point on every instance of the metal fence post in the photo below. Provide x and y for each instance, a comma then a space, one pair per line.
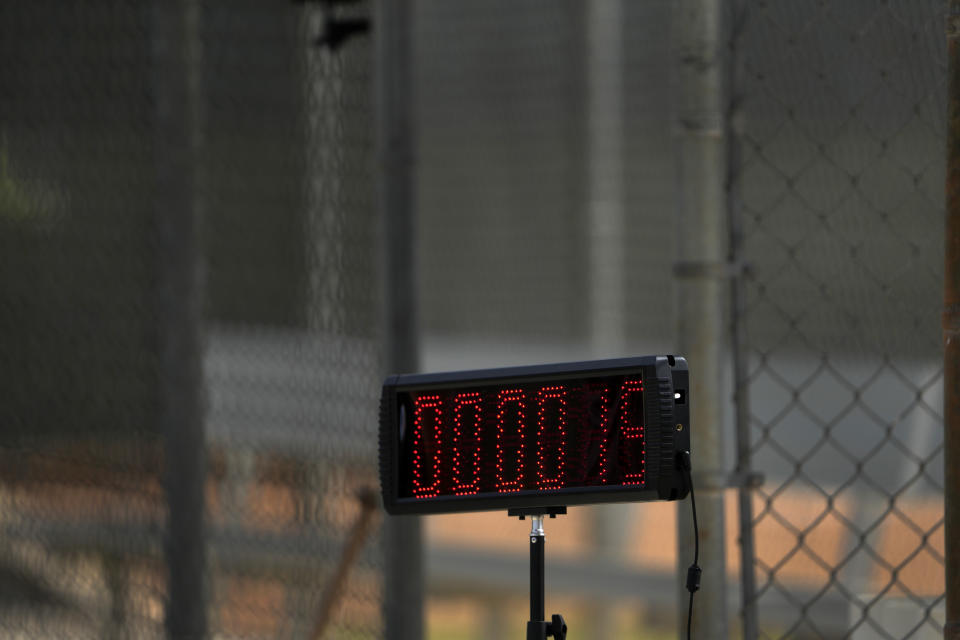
951, 332
741, 399
606, 211
702, 166
403, 545
603, 22
177, 55
738, 342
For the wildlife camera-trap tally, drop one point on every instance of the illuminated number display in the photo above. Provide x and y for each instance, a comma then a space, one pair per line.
564, 434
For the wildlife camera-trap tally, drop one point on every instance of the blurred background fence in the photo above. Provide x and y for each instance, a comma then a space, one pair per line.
838, 195
116, 118
210, 153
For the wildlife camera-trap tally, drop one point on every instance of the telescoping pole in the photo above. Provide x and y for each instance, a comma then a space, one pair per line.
535, 627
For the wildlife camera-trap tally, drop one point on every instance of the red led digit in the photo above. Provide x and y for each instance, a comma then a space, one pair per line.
469, 449
605, 392
631, 429
510, 435
426, 454
556, 437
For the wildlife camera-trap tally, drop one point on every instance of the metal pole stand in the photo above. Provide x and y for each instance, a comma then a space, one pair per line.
537, 627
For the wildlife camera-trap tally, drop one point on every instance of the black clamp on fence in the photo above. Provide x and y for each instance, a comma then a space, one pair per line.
335, 30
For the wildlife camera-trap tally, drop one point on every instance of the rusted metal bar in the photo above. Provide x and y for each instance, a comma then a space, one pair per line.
358, 535
951, 333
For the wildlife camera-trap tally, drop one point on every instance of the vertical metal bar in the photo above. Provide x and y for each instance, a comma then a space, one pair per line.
951, 333
606, 226
605, 177
738, 343
537, 581
741, 399
403, 545
702, 239
177, 57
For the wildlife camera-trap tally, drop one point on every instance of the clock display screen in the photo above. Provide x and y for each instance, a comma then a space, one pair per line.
544, 435
522, 437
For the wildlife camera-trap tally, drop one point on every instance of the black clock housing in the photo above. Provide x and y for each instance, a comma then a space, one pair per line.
535, 436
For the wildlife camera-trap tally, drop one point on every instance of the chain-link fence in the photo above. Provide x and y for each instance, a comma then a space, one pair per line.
546, 233
837, 187
544, 178
116, 118
544, 173
839, 112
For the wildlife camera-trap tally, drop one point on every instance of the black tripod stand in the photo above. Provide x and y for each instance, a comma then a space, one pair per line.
537, 627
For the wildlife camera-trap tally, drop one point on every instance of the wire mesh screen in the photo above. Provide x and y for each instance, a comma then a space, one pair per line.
81, 491
544, 179
838, 187
545, 233
291, 356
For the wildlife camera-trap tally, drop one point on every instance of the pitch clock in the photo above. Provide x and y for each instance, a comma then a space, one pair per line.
558, 434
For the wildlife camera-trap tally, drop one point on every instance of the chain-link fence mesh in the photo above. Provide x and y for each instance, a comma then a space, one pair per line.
545, 184
294, 358
544, 178
284, 178
839, 108
82, 497
546, 233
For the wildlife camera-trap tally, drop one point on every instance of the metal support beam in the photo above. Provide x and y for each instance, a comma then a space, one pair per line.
951, 333
702, 157
605, 207
607, 224
177, 58
403, 544
745, 479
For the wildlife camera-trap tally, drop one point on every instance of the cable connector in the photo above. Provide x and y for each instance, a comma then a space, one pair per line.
693, 578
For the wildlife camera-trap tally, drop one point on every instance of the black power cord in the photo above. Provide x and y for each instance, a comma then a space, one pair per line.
693, 573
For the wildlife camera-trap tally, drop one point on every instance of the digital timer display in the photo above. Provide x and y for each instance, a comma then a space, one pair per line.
534, 436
